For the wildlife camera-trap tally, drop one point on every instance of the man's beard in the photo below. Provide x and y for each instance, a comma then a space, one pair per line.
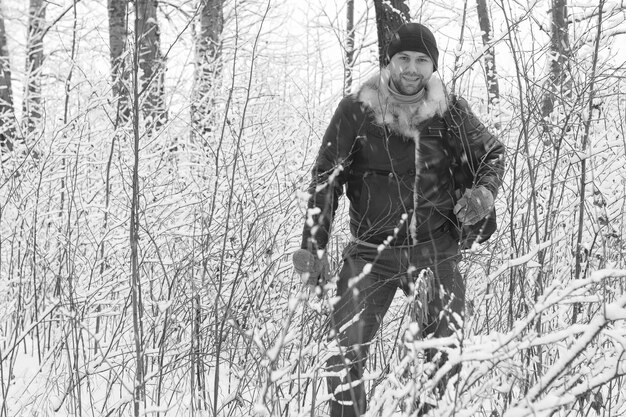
408, 88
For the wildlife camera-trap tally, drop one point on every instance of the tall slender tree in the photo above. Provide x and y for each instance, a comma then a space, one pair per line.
347, 84
118, 41
493, 88
208, 66
559, 81
32, 106
207, 62
151, 63
7, 113
390, 15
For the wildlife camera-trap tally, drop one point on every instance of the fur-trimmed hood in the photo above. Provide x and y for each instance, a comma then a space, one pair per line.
402, 118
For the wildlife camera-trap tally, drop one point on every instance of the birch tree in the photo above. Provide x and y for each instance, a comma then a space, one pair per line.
390, 15
558, 84
207, 62
493, 89
118, 40
32, 107
7, 113
347, 84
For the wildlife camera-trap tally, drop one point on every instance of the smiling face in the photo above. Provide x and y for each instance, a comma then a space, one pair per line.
410, 71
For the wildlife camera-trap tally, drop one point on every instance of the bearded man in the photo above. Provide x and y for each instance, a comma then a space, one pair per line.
421, 173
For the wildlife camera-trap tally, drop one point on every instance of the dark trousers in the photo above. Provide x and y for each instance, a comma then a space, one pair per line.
370, 295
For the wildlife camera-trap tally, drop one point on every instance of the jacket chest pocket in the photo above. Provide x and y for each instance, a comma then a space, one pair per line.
371, 141
438, 131
434, 152
379, 150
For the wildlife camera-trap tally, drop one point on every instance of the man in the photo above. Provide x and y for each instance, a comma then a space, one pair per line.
419, 169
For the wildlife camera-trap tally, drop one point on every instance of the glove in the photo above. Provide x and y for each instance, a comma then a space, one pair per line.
313, 270
474, 205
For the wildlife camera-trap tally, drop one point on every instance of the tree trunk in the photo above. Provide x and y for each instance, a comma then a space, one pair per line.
208, 63
390, 15
347, 79
559, 81
493, 89
7, 113
118, 36
151, 64
32, 108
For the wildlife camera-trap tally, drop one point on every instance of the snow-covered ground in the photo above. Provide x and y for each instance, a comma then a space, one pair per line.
220, 327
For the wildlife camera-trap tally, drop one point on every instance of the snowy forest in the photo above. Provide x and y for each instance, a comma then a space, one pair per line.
154, 161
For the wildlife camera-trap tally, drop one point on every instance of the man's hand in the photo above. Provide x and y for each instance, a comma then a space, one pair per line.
312, 269
474, 205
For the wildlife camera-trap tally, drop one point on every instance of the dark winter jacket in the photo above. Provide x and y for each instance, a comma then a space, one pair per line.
369, 147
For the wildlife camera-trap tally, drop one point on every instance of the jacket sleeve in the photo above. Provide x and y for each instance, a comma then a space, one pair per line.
329, 174
483, 155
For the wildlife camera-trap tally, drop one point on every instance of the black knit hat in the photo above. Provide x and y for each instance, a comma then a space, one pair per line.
414, 37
